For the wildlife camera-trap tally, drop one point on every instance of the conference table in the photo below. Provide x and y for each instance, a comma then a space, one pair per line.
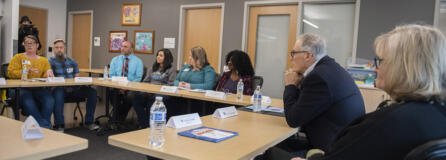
91, 70
54, 143
134, 86
256, 133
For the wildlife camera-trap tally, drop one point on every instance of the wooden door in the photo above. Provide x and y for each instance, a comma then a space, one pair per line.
255, 12
202, 28
81, 39
39, 18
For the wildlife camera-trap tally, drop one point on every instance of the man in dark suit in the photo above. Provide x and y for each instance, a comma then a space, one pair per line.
320, 96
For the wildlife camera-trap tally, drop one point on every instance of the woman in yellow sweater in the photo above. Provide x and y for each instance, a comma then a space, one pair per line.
38, 67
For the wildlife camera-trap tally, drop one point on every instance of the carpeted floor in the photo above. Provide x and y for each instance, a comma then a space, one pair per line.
98, 147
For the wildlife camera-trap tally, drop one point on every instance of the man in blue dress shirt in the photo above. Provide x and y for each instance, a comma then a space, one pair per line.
130, 66
66, 67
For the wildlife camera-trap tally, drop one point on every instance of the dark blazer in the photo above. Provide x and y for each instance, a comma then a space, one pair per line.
326, 101
389, 133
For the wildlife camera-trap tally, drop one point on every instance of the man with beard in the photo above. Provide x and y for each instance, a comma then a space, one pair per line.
66, 67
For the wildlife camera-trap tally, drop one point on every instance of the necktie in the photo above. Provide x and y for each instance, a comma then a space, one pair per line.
125, 69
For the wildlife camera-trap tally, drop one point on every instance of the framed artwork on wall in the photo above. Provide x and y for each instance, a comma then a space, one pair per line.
143, 41
131, 14
115, 40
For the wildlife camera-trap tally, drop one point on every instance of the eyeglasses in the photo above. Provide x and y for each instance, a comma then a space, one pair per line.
377, 61
29, 43
292, 53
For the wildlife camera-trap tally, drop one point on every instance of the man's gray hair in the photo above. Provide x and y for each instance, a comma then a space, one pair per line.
314, 44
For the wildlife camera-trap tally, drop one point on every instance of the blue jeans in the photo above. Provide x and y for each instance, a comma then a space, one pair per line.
28, 98
60, 93
142, 103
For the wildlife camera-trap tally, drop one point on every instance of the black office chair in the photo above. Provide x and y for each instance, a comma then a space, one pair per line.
257, 81
432, 150
10, 101
77, 100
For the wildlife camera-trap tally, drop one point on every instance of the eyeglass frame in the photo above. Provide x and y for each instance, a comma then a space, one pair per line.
377, 61
292, 53
28, 44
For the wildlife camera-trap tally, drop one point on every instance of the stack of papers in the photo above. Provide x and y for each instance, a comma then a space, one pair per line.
269, 108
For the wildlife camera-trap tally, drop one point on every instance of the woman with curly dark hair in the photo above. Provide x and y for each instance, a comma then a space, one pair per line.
240, 67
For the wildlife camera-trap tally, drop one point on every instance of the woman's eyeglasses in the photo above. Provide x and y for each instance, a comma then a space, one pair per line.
377, 61
29, 43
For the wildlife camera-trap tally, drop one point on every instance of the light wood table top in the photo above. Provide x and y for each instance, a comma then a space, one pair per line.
152, 88
141, 87
257, 132
92, 70
12, 146
24, 84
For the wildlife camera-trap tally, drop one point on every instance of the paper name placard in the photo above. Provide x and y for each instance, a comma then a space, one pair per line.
2, 81
182, 121
31, 129
215, 94
83, 79
225, 112
56, 79
169, 89
121, 80
118, 79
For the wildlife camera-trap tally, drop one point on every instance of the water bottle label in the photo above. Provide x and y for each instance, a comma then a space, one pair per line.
259, 96
240, 87
158, 116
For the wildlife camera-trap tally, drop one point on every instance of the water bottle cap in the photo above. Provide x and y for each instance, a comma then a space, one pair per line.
159, 98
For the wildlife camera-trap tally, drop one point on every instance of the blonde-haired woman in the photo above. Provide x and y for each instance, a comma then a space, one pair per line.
411, 68
197, 74
38, 67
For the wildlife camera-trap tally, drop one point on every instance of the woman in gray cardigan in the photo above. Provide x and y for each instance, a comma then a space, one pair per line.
161, 73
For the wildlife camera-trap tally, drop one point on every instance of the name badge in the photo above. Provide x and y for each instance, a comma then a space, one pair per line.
182, 121
2, 81
186, 70
26, 62
31, 129
83, 79
215, 94
169, 89
70, 70
225, 112
56, 79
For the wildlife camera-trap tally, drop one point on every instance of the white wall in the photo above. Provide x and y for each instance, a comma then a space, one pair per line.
57, 17
9, 29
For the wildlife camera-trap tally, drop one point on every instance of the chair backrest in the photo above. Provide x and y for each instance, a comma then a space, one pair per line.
432, 150
257, 81
4, 70
217, 77
144, 74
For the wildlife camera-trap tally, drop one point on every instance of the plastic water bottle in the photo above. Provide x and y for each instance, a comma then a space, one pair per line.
157, 122
240, 87
105, 73
24, 73
257, 105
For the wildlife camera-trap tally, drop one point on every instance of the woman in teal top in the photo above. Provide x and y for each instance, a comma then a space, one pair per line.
197, 74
